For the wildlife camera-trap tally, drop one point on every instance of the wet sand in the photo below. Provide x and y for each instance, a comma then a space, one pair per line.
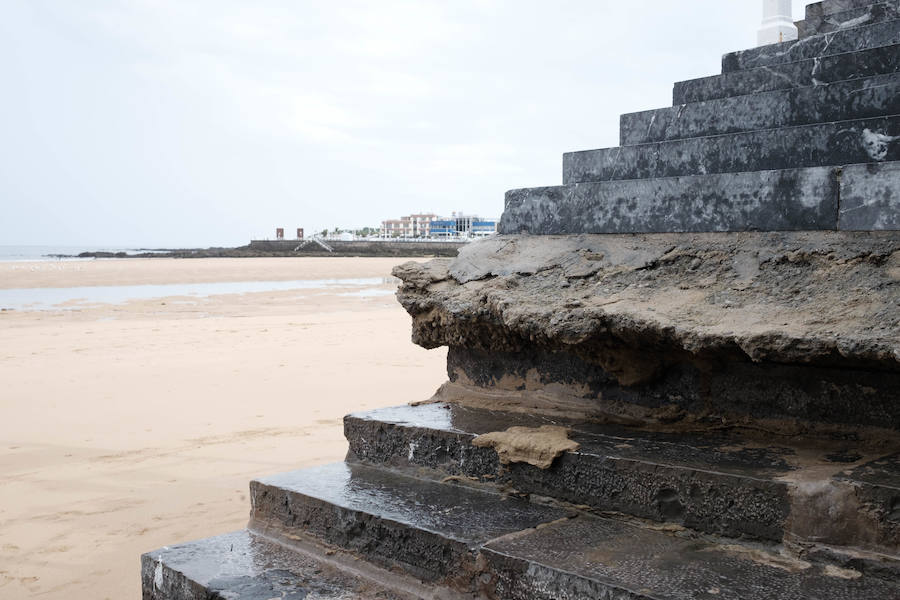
128, 427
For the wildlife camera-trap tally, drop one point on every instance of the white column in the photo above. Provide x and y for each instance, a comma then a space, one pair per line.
777, 23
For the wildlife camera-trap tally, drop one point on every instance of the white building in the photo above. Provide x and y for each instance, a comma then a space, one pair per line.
410, 226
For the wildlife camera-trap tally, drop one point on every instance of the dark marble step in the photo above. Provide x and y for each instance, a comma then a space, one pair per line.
817, 145
602, 558
830, 7
829, 44
245, 566
855, 17
840, 67
864, 196
791, 200
427, 529
844, 100
870, 197
719, 482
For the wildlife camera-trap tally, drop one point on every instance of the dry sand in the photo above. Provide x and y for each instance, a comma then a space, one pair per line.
127, 427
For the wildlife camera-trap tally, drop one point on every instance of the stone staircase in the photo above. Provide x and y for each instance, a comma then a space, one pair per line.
830, 17
798, 136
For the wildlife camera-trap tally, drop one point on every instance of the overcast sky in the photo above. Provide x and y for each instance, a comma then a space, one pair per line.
206, 122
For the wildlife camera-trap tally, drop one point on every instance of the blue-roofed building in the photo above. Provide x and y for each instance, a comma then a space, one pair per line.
457, 226
443, 228
463, 226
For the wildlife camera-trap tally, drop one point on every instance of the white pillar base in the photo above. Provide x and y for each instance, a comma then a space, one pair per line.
777, 24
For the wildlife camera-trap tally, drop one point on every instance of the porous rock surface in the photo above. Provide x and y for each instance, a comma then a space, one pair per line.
760, 325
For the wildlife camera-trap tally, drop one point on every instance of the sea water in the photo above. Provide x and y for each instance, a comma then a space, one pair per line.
76, 297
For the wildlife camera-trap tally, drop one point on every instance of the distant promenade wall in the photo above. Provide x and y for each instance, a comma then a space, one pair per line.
356, 248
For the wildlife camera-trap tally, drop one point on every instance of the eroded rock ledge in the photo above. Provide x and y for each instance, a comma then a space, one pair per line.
794, 327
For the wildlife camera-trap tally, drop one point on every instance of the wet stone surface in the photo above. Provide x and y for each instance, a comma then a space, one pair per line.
883, 472
713, 483
244, 566
719, 482
722, 449
600, 558
876, 487
428, 529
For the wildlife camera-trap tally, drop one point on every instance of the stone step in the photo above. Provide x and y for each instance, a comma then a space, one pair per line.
817, 145
590, 557
830, 69
847, 19
712, 485
830, 7
243, 565
870, 198
427, 529
719, 482
838, 42
579, 557
844, 100
785, 200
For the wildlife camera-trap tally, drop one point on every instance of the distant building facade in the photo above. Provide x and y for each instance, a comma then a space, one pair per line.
411, 226
429, 225
463, 226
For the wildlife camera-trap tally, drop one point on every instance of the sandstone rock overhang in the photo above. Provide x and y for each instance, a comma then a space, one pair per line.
791, 324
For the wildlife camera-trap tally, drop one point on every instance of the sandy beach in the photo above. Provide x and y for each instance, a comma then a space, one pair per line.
133, 425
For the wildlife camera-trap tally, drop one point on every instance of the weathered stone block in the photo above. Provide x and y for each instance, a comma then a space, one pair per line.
871, 97
829, 69
715, 484
427, 529
603, 558
870, 195
799, 199
815, 145
838, 42
249, 567
830, 7
846, 19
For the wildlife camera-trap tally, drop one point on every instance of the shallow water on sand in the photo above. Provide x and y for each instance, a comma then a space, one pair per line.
74, 297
